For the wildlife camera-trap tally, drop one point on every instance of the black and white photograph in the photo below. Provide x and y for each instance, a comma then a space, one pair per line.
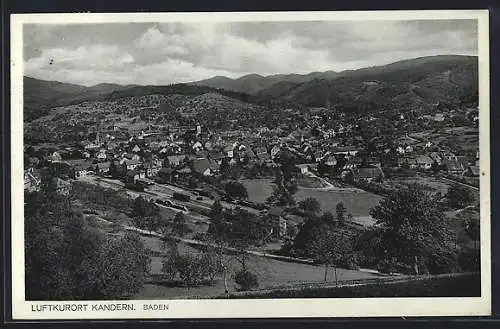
240, 158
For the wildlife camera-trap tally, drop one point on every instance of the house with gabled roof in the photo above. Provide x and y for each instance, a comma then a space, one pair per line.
424, 162
130, 164
205, 167
367, 173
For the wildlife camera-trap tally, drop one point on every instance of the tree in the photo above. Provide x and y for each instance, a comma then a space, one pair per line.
113, 171
310, 205
238, 229
67, 259
246, 280
124, 263
459, 196
48, 185
320, 240
210, 264
145, 214
470, 222
331, 247
236, 190
180, 226
216, 211
413, 227
340, 210
328, 217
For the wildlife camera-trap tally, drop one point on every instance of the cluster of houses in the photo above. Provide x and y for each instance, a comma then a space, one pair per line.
143, 154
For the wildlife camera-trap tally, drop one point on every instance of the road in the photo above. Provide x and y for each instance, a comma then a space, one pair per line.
460, 183
329, 186
208, 244
164, 191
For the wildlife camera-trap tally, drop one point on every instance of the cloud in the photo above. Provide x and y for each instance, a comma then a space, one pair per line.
164, 53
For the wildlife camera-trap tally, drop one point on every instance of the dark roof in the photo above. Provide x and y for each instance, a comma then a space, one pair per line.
424, 159
79, 164
474, 170
201, 165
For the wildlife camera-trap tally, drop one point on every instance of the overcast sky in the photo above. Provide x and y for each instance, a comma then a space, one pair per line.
162, 53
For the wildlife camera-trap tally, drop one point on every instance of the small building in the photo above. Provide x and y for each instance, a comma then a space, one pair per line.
56, 157
176, 160
454, 166
205, 167
279, 223
424, 162
435, 157
330, 160
304, 168
368, 174
82, 169
130, 164
229, 151
473, 171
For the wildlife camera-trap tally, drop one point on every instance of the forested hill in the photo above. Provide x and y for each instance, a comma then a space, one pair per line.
415, 82
40, 95
421, 82
255, 83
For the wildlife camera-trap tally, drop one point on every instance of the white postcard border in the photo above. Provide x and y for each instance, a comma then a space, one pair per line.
251, 308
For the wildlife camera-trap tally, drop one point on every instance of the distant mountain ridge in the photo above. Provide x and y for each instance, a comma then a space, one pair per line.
419, 82
255, 83
413, 82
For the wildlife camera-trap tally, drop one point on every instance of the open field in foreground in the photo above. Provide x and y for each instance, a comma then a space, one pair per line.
271, 273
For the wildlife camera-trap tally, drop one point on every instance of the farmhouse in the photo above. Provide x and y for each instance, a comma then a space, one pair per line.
205, 167
175, 160
82, 169
304, 168
473, 171
424, 162
368, 174
130, 164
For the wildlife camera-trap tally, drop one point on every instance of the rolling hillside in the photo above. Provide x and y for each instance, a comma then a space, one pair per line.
420, 81
255, 83
40, 95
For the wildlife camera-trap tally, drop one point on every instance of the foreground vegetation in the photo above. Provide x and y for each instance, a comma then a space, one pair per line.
466, 285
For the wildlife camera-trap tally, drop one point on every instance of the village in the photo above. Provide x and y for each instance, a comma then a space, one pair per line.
194, 158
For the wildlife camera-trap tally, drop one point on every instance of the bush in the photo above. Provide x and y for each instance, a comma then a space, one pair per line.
236, 190
469, 260
246, 280
181, 197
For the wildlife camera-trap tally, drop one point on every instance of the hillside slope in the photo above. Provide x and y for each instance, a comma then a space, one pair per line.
422, 81
255, 83
40, 95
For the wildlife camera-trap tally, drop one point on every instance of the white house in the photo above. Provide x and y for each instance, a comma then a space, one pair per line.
197, 146
102, 155
229, 151
304, 168
275, 150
